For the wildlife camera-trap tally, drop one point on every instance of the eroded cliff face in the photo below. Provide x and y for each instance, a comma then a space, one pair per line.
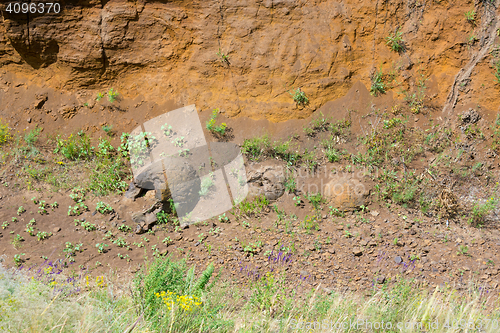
167, 50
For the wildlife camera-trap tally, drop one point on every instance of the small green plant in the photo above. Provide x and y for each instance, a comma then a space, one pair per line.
297, 200
378, 86
245, 224
16, 241
167, 129
120, 242
107, 129
77, 194
71, 249
101, 247
299, 97
167, 241
112, 95
4, 132
42, 207
88, 226
54, 205
41, 235
105, 148
20, 210
99, 96
32, 137
139, 245
252, 248
463, 250
5, 224
14, 219
223, 57
77, 209
75, 147
290, 183
124, 228
496, 67
315, 199
103, 208
18, 260
206, 184
214, 231
471, 16
395, 41
214, 129
414, 257
223, 218
480, 210
201, 237
395, 241
335, 212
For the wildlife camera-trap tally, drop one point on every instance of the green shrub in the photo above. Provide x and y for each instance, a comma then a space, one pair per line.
164, 279
256, 147
105, 148
108, 176
395, 41
496, 67
299, 97
253, 207
471, 16
480, 210
378, 86
75, 147
112, 95
32, 137
316, 199
4, 132
216, 129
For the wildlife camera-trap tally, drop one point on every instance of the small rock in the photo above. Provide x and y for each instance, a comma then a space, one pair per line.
381, 279
95, 212
56, 229
357, 251
177, 237
29, 120
398, 260
374, 213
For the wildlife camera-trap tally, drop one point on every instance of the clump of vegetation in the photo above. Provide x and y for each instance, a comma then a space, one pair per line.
108, 176
471, 16
138, 147
219, 130
496, 67
299, 97
495, 145
318, 125
395, 41
206, 184
4, 132
112, 95
261, 147
103, 208
480, 210
108, 129
223, 57
378, 86
75, 147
